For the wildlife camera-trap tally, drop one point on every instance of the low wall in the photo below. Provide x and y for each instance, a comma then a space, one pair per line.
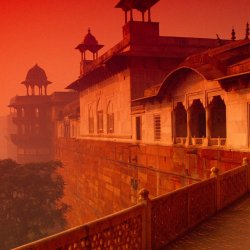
124, 229
154, 222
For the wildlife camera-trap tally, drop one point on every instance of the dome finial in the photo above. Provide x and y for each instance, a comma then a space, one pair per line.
233, 34
247, 31
220, 43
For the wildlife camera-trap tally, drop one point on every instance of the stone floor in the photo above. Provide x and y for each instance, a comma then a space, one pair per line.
229, 229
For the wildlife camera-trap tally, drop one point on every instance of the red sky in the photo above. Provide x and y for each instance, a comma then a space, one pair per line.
46, 32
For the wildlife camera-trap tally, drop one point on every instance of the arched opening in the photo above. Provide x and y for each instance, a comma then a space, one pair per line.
91, 120
218, 118
110, 118
99, 116
22, 112
66, 127
198, 119
180, 115
36, 112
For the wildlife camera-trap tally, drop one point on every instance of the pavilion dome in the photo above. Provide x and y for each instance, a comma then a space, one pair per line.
36, 75
89, 39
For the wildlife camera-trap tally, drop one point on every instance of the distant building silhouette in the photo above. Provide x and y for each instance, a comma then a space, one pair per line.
35, 116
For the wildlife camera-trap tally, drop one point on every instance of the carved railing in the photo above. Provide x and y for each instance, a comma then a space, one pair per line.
232, 185
217, 141
202, 141
174, 213
122, 230
180, 140
197, 141
152, 224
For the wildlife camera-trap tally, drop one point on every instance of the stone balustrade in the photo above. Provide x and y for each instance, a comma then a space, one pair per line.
153, 223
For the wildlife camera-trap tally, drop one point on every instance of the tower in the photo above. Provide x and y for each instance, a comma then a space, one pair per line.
89, 44
32, 119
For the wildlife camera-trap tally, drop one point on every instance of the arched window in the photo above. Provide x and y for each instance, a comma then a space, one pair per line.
36, 112
99, 117
91, 120
22, 112
180, 114
198, 119
110, 118
218, 118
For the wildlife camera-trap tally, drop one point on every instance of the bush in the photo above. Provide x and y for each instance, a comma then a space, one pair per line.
30, 202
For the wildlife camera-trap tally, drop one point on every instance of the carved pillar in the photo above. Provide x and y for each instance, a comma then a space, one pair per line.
245, 162
143, 16
208, 125
149, 15
173, 127
131, 15
126, 16
188, 141
146, 222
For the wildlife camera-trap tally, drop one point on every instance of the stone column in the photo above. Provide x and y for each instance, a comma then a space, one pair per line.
149, 15
188, 140
126, 16
146, 221
208, 125
131, 15
32, 90
173, 127
245, 162
214, 173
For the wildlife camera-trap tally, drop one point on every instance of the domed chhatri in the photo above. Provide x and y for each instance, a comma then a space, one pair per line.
36, 76
140, 5
89, 44
90, 40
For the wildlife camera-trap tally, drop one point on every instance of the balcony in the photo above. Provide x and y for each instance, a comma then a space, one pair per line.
31, 140
19, 120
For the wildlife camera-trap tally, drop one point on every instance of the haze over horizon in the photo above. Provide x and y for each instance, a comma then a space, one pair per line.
45, 32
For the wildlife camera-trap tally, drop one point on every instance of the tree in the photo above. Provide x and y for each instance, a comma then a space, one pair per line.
30, 202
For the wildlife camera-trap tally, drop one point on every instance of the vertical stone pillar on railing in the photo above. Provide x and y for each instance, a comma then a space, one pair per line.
245, 162
215, 173
146, 219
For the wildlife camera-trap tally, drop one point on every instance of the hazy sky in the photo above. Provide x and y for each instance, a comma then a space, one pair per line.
47, 31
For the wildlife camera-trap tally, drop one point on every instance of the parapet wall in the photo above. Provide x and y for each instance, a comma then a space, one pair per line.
104, 177
154, 223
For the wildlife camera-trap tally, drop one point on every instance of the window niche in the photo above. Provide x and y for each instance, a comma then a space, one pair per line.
91, 120
180, 115
218, 118
110, 118
198, 119
99, 117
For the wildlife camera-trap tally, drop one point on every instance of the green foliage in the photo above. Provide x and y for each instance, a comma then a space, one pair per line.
30, 202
